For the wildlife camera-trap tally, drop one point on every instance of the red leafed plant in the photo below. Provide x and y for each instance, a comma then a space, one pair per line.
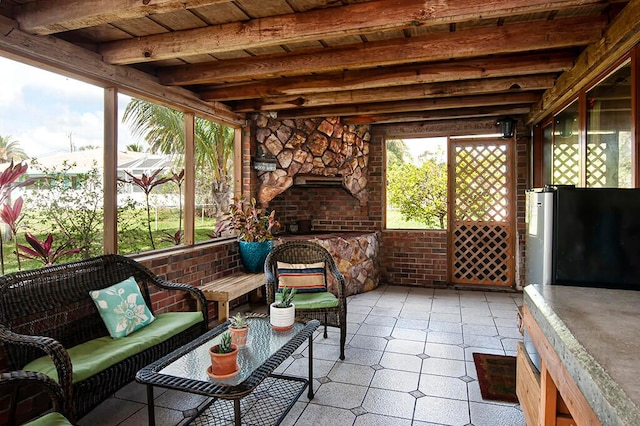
8, 182
147, 183
11, 216
44, 251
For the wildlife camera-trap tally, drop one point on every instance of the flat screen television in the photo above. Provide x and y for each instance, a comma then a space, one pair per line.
597, 237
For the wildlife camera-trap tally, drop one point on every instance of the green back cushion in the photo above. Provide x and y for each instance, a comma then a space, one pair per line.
99, 354
313, 300
122, 308
304, 277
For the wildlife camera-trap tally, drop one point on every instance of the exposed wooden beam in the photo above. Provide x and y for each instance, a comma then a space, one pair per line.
619, 37
412, 105
395, 76
51, 53
47, 17
452, 114
439, 128
361, 18
522, 37
401, 93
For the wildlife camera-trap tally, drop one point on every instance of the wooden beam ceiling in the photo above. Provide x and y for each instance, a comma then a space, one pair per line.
363, 18
514, 38
48, 17
394, 76
401, 93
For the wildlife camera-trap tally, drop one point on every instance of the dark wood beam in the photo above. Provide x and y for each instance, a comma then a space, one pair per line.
521, 37
413, 105
400, 93
395, 76
472, 126
44, 17
620, 37
363, 18
447, 114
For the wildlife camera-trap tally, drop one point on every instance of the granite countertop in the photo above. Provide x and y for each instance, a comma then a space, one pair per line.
596, 334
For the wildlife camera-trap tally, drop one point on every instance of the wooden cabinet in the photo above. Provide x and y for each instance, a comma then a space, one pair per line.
548, 397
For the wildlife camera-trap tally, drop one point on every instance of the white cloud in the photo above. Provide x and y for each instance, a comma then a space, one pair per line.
43, 110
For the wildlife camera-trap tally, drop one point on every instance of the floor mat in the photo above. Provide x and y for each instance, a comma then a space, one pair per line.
497, 377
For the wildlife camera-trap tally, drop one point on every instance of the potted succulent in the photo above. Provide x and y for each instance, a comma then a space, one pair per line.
282, 313
239, 330
253, 226
224, 358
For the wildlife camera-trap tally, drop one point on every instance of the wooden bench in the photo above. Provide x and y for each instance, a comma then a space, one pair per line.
228, 288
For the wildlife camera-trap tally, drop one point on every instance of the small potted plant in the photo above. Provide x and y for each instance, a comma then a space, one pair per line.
253, 226
239, 330
282, 313
224, 358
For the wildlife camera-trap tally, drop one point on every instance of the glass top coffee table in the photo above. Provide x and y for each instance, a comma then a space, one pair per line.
271, 395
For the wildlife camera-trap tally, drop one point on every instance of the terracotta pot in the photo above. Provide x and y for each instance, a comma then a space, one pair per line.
282, 319
223, 364
239, 336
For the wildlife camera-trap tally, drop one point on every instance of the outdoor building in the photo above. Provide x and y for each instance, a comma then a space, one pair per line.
402, 137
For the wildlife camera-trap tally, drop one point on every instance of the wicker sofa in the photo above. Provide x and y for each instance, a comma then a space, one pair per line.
50, 324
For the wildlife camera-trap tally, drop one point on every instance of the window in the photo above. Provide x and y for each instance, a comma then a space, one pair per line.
53, 124
417, 183
609, 125
566, 147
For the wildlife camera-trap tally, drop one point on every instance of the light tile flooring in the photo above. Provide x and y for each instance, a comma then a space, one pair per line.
408, 362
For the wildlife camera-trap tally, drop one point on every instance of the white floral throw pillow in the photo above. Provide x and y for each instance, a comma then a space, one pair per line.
122, 308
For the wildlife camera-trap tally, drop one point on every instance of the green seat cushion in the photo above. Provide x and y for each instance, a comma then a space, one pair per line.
313, 300
51, 419
96, 355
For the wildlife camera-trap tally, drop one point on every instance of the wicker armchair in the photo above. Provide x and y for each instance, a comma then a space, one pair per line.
18, 387
307, 252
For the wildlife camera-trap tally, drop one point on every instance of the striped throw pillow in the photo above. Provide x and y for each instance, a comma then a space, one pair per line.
305, 277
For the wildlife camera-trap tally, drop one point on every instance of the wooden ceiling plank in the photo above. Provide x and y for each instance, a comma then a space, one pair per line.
395, 76
618, 38
363, 18
55, 54
437, 115
414, 105
410, 105
45, 17
400, 93
513, 38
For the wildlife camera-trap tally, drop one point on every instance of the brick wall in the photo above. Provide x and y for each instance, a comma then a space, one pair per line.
196, 266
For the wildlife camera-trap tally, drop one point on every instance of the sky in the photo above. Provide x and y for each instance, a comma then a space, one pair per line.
45, 111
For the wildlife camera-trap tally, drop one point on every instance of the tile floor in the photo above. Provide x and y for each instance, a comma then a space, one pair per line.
408, 362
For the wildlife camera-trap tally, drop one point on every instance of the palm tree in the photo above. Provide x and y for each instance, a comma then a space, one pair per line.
134, 147
163, 130
10, 150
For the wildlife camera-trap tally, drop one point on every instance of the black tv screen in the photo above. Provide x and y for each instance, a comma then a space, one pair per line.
597, 237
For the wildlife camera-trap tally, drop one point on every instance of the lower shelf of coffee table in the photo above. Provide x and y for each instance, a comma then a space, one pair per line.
268, 404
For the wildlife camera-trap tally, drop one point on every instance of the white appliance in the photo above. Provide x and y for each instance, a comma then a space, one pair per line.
539, 238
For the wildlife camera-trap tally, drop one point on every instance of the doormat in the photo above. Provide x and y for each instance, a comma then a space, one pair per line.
497, 377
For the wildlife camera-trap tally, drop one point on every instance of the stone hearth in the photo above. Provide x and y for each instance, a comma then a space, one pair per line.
356, 255
323, 147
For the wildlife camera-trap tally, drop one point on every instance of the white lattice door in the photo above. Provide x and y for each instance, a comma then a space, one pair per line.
481, 212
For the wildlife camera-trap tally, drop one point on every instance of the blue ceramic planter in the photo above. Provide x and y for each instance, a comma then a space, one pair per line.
254, 254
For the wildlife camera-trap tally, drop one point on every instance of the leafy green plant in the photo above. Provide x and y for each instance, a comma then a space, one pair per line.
251, 224
287, 297
224, 347
44, 251
238, 321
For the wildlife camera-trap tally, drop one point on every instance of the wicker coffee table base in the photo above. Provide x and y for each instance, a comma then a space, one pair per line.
267, 405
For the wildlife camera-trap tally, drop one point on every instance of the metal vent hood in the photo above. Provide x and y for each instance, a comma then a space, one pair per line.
317, 181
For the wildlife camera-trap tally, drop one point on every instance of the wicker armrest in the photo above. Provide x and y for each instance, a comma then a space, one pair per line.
20, 377
195, 292
50, 347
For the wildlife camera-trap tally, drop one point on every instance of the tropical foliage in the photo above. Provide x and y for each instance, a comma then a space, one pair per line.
248, 221
163, 129
10, 150
418, 189
44, 250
